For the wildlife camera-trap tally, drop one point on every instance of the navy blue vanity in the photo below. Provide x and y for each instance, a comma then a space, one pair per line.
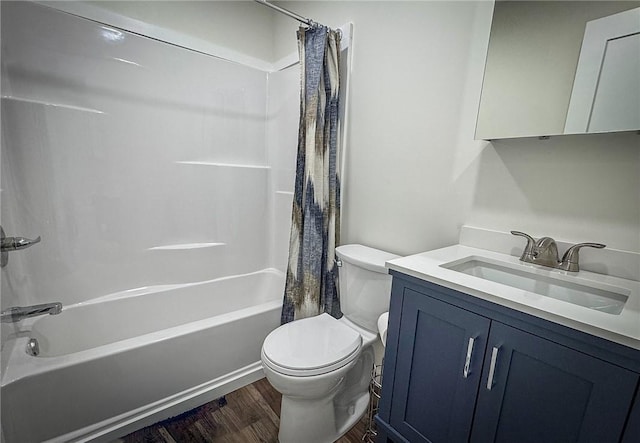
461, 368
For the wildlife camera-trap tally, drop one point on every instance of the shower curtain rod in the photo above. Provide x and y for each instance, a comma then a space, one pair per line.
293, 15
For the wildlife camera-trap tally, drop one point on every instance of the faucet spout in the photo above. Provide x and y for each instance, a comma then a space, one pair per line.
543, 251
18, 313
546, 252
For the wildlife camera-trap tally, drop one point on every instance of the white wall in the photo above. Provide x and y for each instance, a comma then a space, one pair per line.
417, 71
575, 188
415, 174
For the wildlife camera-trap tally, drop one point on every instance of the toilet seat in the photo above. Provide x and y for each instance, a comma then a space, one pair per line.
311, 346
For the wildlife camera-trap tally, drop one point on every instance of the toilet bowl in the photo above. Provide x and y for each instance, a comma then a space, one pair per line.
322, 365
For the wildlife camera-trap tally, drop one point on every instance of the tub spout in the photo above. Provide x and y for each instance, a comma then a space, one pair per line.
18, 313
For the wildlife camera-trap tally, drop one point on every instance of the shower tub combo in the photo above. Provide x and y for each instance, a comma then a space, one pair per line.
159, 180
115, 370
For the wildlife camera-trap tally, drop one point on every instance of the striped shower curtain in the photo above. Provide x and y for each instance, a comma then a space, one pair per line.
311, 285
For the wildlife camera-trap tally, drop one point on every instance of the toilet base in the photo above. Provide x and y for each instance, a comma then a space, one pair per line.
318, 421
326, 419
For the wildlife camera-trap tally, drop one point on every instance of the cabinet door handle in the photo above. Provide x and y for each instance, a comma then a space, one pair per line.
467, 361
492, 367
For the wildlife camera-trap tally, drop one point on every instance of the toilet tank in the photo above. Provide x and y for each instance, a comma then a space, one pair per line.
364, 283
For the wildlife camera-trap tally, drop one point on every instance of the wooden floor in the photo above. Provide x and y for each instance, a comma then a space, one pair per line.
250, 414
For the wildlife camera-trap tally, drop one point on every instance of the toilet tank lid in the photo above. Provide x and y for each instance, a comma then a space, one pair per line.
365, 257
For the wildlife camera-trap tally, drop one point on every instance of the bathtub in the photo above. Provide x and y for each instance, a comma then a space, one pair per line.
121, 362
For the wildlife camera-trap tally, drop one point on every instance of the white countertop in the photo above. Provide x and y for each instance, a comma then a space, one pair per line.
623, 328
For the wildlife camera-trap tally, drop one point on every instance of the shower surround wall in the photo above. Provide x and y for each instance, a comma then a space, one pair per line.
138, 162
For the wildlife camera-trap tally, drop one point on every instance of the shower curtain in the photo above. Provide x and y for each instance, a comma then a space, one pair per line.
311, 285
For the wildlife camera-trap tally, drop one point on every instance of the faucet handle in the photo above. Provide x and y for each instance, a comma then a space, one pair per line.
571, 258
17, 243
529, 249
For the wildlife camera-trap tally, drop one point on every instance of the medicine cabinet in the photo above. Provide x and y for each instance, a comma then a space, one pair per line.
561, 67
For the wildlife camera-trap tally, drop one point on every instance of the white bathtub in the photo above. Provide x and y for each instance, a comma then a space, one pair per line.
127, 360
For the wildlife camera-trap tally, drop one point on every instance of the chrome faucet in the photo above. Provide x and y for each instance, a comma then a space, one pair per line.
544, 252
18, 313
8, 244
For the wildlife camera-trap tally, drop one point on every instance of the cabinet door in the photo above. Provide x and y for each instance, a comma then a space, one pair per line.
534, 390
632, 431
438, 369
605, 93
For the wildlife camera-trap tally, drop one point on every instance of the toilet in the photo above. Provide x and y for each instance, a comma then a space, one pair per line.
321, 365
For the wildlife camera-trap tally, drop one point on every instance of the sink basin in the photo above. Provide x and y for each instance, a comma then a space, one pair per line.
548, 283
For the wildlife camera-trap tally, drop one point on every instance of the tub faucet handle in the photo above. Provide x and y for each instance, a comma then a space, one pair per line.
17, 243
571, 259
8, 244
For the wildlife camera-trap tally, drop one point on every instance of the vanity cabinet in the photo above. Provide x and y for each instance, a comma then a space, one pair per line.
434, 396
462, 369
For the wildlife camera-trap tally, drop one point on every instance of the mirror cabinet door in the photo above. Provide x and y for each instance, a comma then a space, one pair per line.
536, 74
